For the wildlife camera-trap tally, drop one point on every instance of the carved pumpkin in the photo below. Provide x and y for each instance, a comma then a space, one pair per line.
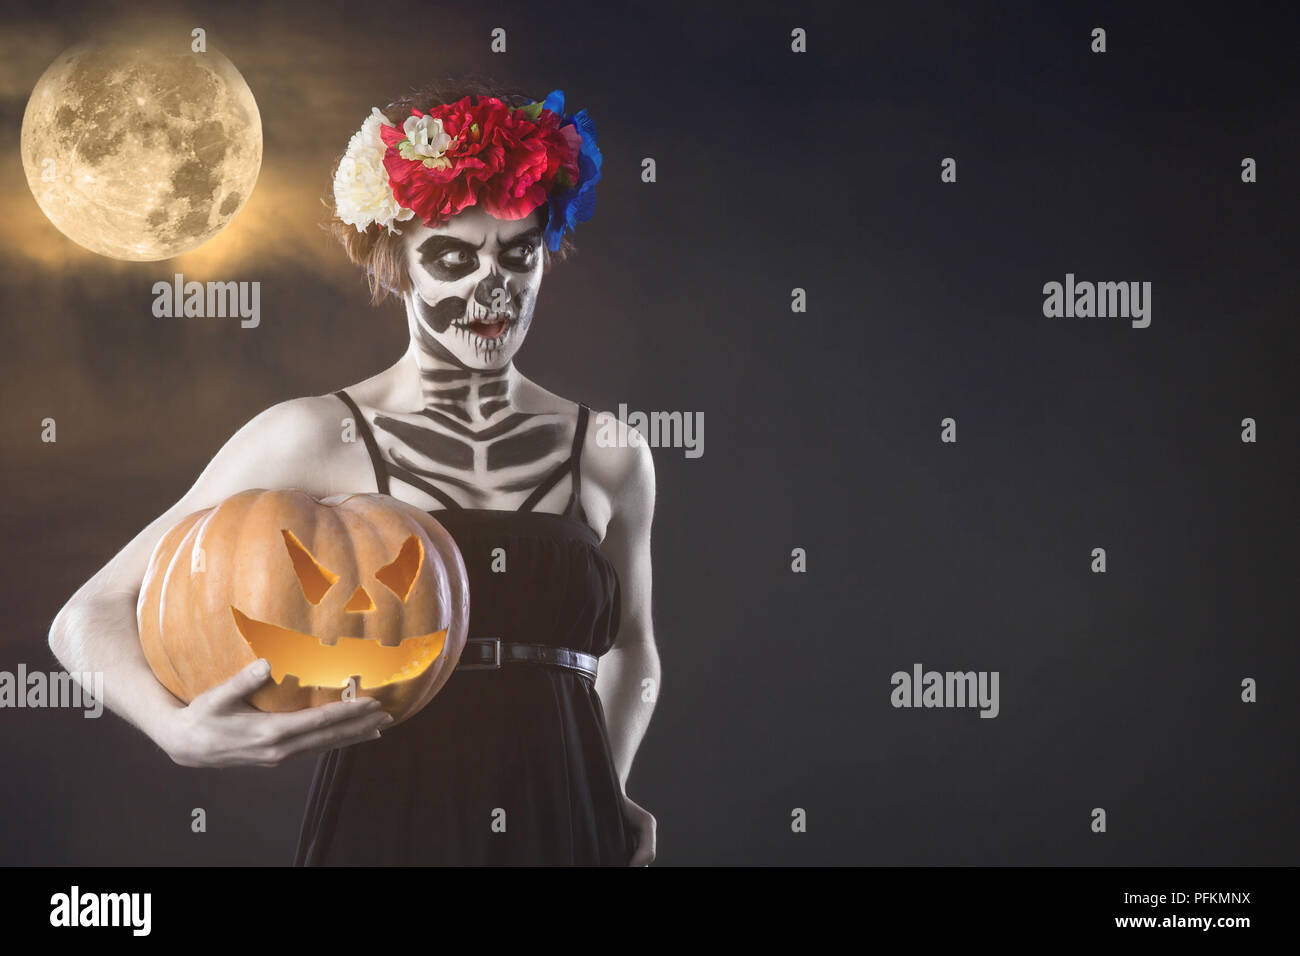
356, 586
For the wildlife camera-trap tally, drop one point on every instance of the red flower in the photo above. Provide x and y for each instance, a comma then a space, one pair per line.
500, 158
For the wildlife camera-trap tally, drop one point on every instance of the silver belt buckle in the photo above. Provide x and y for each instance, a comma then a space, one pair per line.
496, 655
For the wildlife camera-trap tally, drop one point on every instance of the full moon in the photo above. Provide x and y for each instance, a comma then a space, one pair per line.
139, 154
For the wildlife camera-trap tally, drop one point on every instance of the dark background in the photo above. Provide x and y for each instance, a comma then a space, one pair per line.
775, 170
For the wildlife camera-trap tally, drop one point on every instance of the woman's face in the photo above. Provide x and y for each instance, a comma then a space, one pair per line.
474, 284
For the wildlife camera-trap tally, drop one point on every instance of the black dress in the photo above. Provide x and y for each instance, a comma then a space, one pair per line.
504, 767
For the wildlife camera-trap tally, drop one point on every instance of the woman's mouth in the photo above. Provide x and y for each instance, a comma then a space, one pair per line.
490, 327
486, 334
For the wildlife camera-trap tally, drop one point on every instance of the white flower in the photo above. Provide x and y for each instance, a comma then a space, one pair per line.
428, 141
362, 194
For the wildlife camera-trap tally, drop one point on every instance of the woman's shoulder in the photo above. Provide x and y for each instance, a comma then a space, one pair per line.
300, 421
306, 442
616, 453
615, 456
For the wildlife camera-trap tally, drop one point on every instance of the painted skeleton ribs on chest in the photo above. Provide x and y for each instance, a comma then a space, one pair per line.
467, 443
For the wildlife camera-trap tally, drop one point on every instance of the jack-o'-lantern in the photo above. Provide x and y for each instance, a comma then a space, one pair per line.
355, 594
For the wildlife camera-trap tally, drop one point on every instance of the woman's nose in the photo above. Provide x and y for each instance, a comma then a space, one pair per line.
492, 291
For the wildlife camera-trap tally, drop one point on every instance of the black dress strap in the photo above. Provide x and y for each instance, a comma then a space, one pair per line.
571, 464
432, 490
575, 496
363, 426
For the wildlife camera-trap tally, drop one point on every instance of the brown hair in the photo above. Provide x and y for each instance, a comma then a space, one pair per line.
383, 255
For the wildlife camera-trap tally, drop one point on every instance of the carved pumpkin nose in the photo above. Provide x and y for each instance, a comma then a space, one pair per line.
359, 602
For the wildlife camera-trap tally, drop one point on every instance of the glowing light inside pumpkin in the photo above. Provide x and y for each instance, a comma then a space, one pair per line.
317, 664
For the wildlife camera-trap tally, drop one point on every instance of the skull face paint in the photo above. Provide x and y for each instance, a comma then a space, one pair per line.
474, 285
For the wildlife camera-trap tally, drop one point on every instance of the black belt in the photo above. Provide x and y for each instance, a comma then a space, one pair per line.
490, 653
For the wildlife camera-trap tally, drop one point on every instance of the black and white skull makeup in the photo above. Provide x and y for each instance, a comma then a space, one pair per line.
474, 285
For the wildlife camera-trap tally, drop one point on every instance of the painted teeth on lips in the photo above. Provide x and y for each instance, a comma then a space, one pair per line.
490, 326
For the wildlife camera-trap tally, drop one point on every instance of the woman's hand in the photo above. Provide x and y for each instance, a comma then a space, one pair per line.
221, 729
641, 824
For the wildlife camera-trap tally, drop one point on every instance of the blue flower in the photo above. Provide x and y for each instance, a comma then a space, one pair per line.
574, 204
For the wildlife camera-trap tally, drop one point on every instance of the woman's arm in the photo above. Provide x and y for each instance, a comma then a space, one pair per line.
628, 677
291, 445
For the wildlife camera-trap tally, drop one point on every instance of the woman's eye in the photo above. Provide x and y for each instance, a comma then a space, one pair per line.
454, 257
520, 253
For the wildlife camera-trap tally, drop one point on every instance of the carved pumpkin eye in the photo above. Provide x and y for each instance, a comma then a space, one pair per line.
316, 580
401, 574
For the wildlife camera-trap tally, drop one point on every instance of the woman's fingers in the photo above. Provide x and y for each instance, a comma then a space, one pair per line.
644, 826
222, 729
645, 847
237, 689
295, 722
354, 730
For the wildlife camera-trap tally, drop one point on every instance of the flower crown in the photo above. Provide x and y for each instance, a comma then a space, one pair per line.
476, 150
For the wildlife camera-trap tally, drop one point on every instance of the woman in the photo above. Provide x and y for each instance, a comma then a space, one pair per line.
455, 203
